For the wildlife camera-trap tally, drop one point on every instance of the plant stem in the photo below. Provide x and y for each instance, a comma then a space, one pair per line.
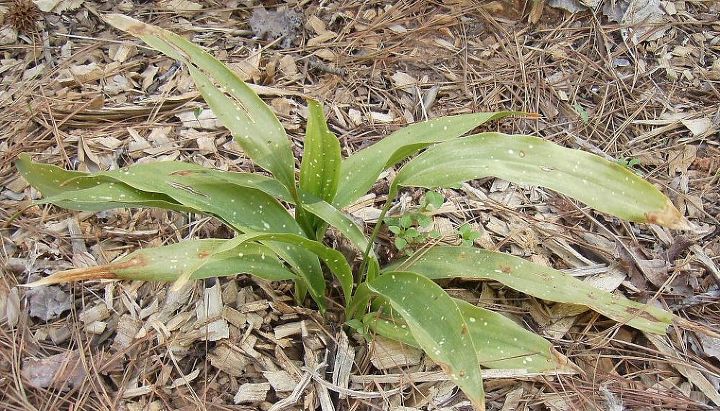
301, 216
376, 232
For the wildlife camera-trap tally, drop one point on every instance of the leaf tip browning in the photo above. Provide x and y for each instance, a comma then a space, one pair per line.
102, 272
669, 217
696, 327
77, 274
128, 24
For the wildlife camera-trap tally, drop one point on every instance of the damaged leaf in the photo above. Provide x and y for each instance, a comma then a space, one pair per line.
169, 262
533, 279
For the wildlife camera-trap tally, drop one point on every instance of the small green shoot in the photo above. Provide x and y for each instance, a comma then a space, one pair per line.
582, 112
413, 229
468, 235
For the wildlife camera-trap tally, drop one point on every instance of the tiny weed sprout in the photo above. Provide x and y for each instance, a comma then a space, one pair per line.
281, 220
413, 229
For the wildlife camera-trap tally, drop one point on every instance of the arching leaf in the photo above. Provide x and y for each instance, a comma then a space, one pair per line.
601, 184
265, 184
167, 263
438, 326
470, 263
249, 119
183, 186
334, 260
359, 172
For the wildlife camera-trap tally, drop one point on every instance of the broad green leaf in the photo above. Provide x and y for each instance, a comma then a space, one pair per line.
320, 167
65, 189
470, 263
392, 328
503, 343
248, 118
183, 186
500, 341
601, 184
334, 260
359, 172
167, 263
265, 184
438, 326
241, 207
49, 179
109, 195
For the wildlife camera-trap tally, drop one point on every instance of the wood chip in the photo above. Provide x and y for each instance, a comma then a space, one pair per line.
97, 327
185, 380
286, 330
344, 360
211, 307
203, 120
382, 117
96, 313
249, 393
228, 358
234, 317
404, 82
10, 303
125, 332
281, 381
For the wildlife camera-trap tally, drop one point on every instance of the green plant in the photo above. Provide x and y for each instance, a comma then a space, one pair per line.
276, 244
468, 235
630, 163
580, 110
413, 229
